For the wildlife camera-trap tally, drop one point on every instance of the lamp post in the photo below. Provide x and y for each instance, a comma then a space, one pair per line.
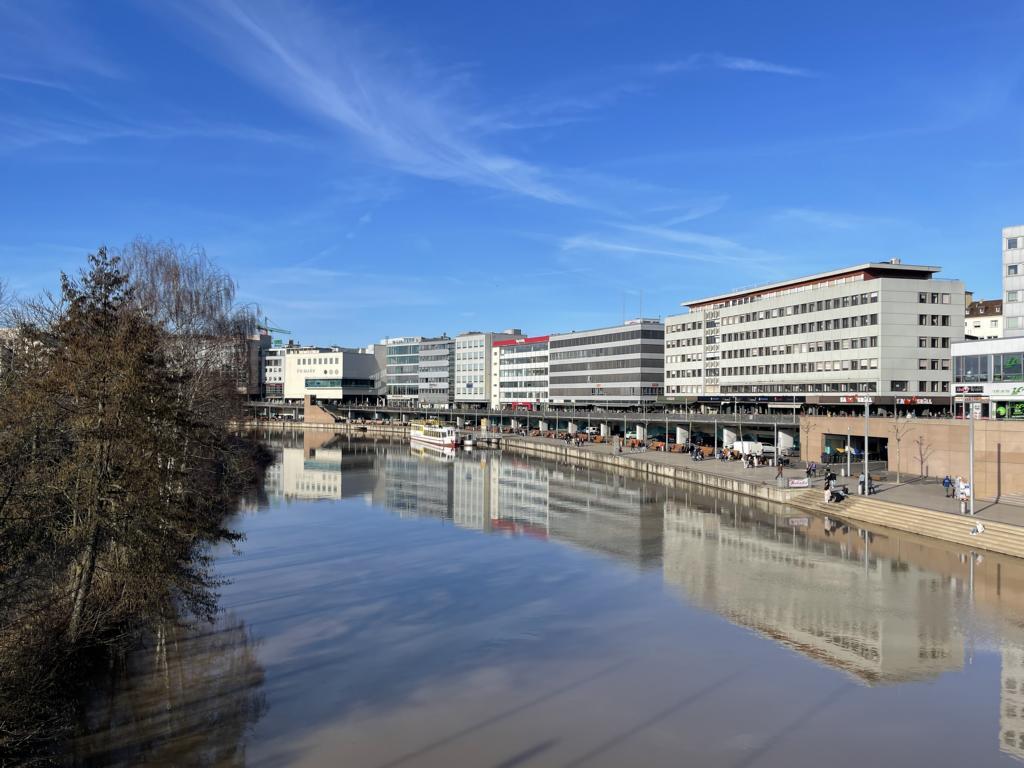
867, 427
970, 439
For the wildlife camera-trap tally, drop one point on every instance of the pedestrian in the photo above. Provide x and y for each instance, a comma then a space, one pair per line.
828, 491
947, 485
860, 484
778, 472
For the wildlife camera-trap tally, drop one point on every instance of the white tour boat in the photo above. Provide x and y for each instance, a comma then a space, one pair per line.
433, 433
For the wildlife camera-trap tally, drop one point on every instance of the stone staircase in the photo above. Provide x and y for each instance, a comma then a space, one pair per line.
997, 537
1016, 499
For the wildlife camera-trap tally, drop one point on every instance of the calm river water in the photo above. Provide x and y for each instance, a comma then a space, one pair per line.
391, 607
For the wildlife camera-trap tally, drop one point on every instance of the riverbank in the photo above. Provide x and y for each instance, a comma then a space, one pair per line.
1004, 535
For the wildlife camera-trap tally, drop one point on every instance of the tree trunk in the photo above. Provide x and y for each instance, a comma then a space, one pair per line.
86, 570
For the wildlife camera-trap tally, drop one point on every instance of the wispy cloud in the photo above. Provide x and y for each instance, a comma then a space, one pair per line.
697, 61
692, 210
406, 118
829, 219
42, 40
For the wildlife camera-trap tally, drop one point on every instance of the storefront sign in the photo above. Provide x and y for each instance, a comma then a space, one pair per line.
799, 482
913, 401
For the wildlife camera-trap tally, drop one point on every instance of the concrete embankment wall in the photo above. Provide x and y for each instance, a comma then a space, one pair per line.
638, 467
398, 430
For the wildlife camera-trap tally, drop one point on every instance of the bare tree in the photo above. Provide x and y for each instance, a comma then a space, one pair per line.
924, 451
900, 429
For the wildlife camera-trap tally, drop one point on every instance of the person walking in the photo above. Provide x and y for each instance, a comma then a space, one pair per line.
947, 485
778, 472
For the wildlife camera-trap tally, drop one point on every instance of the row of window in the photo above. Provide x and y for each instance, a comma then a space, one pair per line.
819, 326
933, 364
922, 386
933, 298
795, 389
933, 342
933, 319
822, 305
982, 368
819, 366
800, 288
607, 338
631, 349
829, 345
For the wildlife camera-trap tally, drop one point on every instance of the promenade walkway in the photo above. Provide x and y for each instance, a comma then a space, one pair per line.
924, 493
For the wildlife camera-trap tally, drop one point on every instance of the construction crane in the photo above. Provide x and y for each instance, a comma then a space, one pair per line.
266, 326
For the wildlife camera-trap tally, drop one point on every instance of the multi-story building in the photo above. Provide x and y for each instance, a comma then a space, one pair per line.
622, 365
436, 376
882, 330
1013, 281
988, 378
473, 364
522, 372
332, 374
272, 373
984, 319
402, 373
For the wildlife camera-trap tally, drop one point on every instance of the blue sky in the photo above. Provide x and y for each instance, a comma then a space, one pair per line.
373, 169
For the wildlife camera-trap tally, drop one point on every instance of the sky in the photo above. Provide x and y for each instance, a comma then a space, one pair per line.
367, 169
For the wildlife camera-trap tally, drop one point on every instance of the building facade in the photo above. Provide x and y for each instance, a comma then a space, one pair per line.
620, 366
272, 373
402, 372
879, 330
473, 364
332, 374
984, 319
988, 378
1013, 281
436, 386
522, 372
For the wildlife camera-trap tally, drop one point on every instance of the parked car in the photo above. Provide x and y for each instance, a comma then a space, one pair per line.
591, 431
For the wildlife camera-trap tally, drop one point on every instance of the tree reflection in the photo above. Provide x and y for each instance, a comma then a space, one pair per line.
188, 697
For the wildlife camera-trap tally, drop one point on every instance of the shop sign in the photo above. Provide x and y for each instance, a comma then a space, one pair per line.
913, 401
854, 399
799, 482
1010, 411
1006, 390
969, 390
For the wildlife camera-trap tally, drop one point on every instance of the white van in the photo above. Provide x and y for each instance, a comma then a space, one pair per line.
753, 448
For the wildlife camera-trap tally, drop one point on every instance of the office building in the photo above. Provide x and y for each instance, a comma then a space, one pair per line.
272, 373
436, 377
402, 372
332, 374
984, 319
879, 330
621, 365
1013, 281
521, 372
473, 364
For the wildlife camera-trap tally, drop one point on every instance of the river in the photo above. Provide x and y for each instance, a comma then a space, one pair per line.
391, 607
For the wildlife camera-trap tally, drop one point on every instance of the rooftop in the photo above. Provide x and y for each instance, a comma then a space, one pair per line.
867, 271
985, 308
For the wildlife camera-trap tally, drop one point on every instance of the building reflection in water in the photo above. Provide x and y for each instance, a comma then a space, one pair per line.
880, 608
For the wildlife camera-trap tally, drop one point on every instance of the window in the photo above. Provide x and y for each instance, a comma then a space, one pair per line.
1011, 269
922, 364
922, 298
1011, 243
1012, 323
1012, 296
898, 386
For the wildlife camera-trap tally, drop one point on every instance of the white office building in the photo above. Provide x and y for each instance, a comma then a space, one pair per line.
521, 372
436, 372
620, 366
332, 374
882, 330
272, 373
402, 372
473, 364
1013, 281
